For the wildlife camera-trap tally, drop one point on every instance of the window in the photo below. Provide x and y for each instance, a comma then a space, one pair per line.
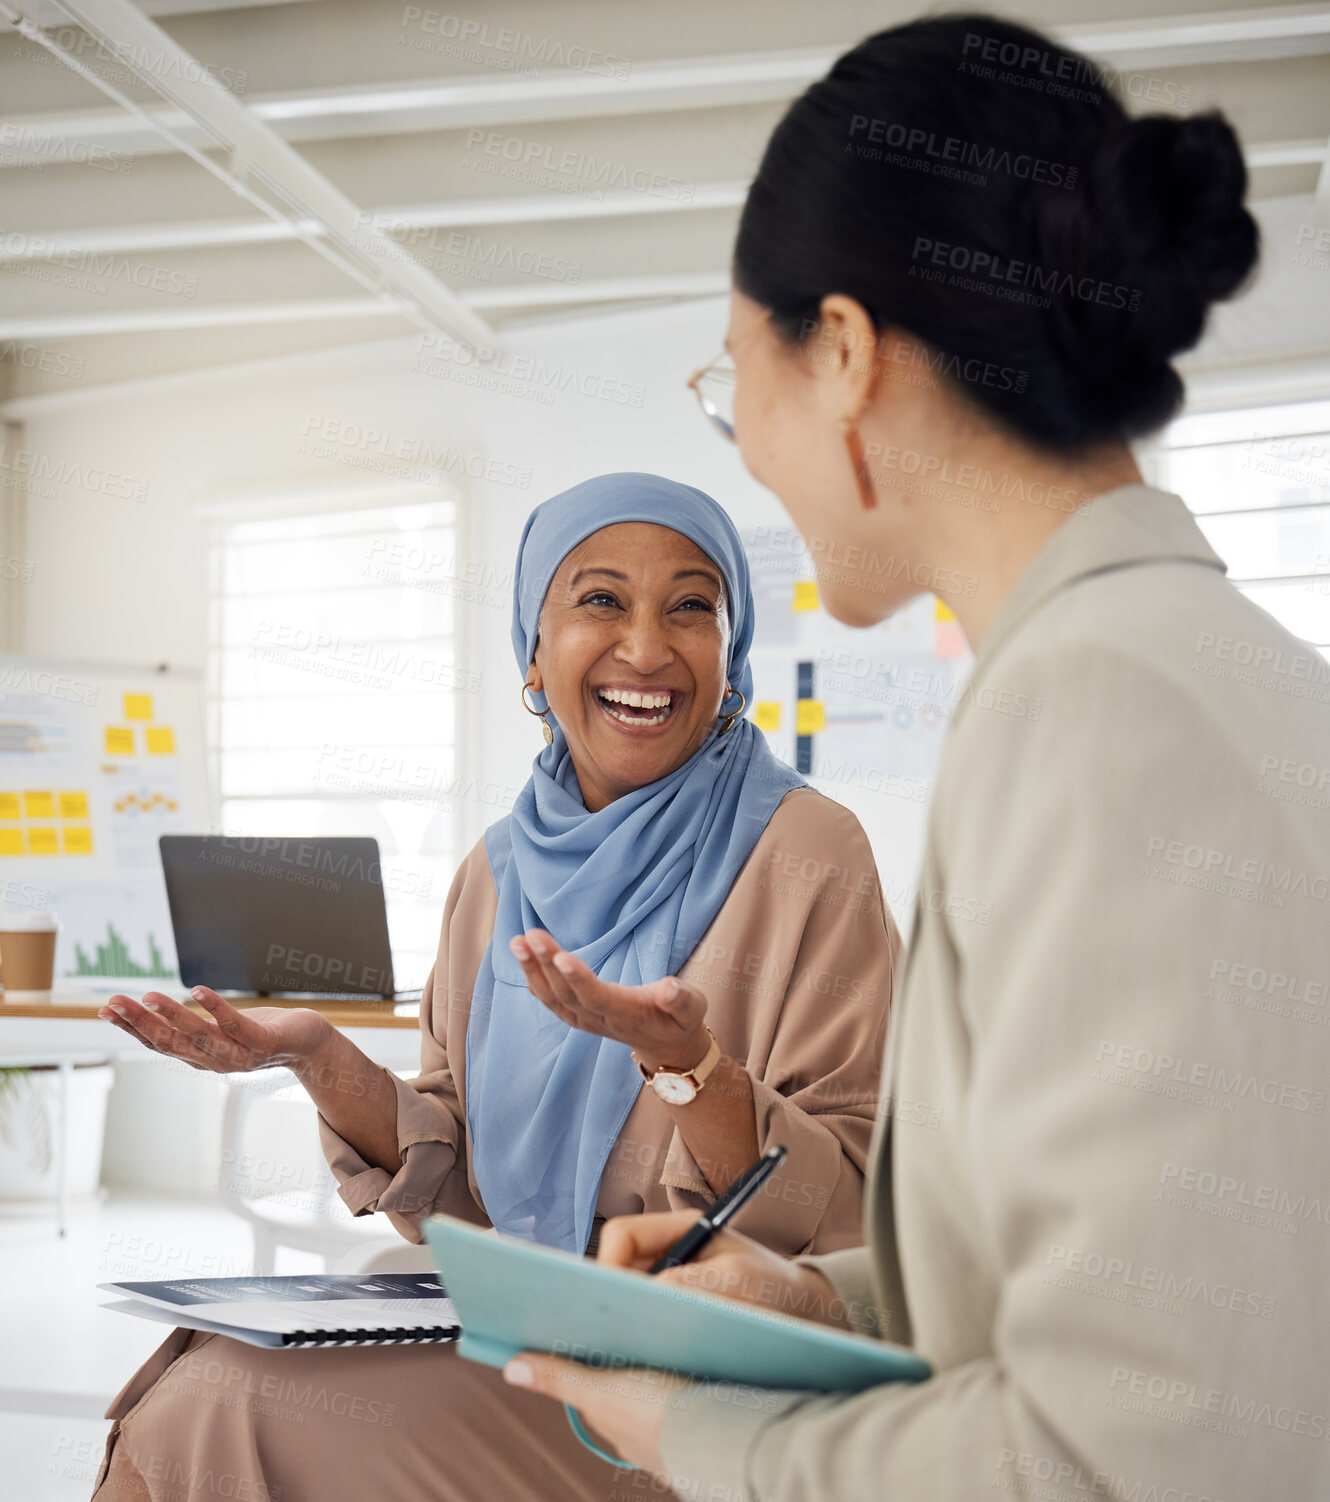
334, 694
1259, 484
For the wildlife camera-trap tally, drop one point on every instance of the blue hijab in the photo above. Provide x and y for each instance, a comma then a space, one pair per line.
629, 889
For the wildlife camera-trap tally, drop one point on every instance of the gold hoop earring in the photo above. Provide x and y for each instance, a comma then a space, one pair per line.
731, 718
540, 715
855, 448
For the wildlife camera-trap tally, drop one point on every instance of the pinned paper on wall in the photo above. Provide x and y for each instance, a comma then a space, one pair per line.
811, 716
948, 638
43, 839
766, 714
805, 594
116, 765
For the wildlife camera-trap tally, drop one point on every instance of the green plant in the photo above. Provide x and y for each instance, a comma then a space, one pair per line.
24, 1122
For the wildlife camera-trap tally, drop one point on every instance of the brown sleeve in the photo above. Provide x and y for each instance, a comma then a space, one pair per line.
798, 970
431, 1120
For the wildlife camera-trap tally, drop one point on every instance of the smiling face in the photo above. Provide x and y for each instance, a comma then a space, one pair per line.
634, 638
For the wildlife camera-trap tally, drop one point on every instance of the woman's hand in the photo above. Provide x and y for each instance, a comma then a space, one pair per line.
730, 1265
663, 1021
627, 1408
228, 1042
624, 1409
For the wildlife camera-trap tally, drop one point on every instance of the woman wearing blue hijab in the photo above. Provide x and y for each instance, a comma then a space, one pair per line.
628, 887
672, 954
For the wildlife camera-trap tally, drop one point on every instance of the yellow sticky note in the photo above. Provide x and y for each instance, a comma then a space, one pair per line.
805, 594
8, 805
138, 706
811, 717
119, 740
766, 714
941, 611
11, 842
78, 839
39, 805
41, 840
161, 740
73, 805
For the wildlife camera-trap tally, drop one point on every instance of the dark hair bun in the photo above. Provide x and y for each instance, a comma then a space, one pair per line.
1160, 219
982, 189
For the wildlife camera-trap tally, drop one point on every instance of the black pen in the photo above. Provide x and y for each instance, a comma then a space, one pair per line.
714, 1216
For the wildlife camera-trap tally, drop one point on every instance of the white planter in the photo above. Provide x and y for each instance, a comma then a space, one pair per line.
30, 1136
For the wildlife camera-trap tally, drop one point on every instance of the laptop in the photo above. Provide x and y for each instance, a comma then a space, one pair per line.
298, 917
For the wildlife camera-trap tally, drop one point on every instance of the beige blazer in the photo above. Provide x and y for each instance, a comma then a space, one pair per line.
1100, 1202
797, 969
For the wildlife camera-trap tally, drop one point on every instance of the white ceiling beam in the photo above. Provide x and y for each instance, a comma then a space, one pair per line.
1220, 37
480, 101
255, 163
46, 13
37, 245
1308, 152
395, 219
43, 326
605, 289
445, 104
152, 320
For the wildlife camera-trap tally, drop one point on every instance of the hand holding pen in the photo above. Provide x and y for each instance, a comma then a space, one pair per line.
715, 1216
724, 1262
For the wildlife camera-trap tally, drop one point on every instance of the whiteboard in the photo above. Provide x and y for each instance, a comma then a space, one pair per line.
862, 713
95, 763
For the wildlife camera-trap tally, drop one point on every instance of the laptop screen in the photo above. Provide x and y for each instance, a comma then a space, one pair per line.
259, 914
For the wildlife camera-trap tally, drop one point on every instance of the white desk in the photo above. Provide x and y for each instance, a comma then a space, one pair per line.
64, 1030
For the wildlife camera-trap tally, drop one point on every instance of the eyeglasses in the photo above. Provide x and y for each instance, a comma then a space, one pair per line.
713, 386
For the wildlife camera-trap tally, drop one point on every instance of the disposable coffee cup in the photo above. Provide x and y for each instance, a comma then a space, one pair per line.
27, 952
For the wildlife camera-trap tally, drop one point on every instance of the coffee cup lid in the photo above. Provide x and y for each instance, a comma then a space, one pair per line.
15, 919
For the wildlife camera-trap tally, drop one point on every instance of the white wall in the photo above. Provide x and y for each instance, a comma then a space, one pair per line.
124, 580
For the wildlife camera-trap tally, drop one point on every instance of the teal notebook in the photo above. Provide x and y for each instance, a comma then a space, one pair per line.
515, 1296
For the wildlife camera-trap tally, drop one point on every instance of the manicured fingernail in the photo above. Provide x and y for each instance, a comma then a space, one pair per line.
151, 1005
197, 993
518, 947
519, 1374
565, 963
116, 1008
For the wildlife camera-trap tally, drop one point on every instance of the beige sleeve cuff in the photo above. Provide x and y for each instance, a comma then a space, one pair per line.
427, 1142
710, 1434
786, 1212
850, 1273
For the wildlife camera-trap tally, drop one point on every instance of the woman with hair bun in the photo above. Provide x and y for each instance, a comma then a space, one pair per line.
961, 276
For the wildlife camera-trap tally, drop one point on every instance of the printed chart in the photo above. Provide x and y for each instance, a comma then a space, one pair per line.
95, 765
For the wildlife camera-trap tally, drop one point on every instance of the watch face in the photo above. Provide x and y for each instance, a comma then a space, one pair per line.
673, 1089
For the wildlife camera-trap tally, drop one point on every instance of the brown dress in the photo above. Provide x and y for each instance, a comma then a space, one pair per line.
797, 968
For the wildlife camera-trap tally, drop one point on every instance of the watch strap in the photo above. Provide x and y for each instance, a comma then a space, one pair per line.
699, 1074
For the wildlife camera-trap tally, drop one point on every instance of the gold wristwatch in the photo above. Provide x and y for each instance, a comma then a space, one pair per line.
677, 1087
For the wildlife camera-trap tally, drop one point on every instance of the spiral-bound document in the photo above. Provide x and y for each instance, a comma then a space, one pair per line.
329, 1309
